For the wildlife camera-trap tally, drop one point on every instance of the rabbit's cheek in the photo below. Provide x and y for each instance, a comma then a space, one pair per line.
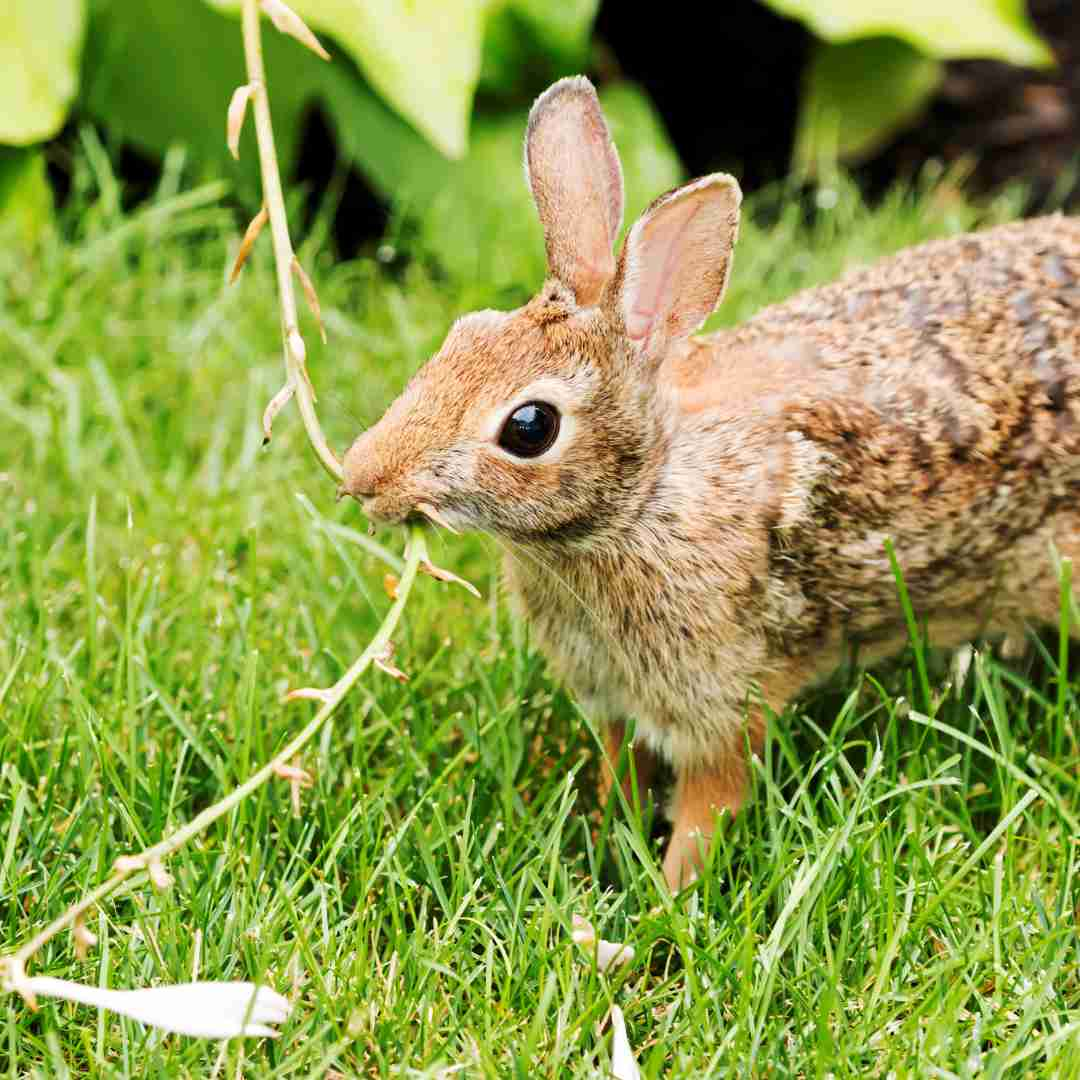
518, 483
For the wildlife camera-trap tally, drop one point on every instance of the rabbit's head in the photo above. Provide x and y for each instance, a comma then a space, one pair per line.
544, 422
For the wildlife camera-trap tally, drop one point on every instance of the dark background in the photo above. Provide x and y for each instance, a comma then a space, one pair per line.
732, 103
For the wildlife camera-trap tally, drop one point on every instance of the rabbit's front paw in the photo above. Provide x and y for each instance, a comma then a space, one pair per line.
701, 794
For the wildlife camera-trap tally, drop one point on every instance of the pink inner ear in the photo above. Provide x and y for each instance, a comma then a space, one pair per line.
582, 237
661, 245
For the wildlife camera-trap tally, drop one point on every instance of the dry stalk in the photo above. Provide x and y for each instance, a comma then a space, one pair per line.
297, 383
130, 870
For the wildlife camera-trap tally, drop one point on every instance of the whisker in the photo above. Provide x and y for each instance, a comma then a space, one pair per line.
338, 404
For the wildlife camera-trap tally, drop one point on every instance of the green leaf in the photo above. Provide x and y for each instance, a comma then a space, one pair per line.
26, 203
564, 28
390, 153
39, 67
422, 56
858, 95
947, 29
531, 43
189, 60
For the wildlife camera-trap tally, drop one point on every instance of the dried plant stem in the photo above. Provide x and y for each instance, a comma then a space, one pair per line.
130, 868
284, 256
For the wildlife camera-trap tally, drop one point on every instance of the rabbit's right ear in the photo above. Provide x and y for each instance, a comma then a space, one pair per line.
676, 261
576, 182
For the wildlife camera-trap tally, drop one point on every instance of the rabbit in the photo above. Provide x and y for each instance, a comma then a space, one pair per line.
695, 526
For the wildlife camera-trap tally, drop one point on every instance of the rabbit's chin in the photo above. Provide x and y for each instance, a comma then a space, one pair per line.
383, 510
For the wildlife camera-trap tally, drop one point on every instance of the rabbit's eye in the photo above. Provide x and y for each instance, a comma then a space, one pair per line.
530, 429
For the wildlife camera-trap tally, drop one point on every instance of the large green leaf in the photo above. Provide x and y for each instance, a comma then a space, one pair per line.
531, 43
422, 56
157, 103
564, 28
40, 42
857, 95
997, 29
390, 153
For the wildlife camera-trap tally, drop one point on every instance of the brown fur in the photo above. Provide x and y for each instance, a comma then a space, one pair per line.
707, 537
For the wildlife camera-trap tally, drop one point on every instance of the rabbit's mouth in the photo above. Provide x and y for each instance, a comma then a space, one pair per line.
390, 510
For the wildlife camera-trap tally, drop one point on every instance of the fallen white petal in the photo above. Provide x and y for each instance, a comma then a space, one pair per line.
609, 954
623, 1065
208, 1010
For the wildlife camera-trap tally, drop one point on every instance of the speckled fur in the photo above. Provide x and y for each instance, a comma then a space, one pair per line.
713, 537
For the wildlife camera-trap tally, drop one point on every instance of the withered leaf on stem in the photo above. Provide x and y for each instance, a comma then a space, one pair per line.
439, 574
288, 22
250, 236
308, 693
277, 403
384, 664
234, 122
160, 878
298, 779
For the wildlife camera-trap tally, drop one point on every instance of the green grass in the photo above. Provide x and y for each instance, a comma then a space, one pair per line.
899, 899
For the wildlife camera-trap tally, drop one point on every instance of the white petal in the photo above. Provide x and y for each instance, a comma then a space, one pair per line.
583, 932
209, 1010
609, 954
623, 1065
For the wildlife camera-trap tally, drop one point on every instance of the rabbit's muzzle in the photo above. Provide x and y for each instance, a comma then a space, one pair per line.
378, 488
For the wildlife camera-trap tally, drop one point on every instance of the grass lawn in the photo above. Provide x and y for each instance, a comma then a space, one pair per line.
900, 899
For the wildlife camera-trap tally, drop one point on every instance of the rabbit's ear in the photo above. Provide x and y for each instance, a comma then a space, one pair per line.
576, 182
676, 260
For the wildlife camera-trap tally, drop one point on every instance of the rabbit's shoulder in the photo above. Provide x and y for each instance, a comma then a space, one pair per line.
985, 318
933, 398
957, 361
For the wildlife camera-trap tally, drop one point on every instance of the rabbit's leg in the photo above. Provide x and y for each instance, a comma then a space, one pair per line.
719, 785
701, 793
645, 766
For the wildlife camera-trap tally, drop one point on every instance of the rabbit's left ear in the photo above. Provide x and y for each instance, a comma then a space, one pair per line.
676, 260
576, 182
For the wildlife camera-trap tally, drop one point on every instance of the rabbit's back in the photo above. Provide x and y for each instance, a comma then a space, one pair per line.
936, 395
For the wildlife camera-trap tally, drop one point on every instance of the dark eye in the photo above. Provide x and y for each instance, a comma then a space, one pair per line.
530, 429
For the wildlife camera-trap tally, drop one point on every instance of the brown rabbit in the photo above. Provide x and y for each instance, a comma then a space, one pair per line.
697, 526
